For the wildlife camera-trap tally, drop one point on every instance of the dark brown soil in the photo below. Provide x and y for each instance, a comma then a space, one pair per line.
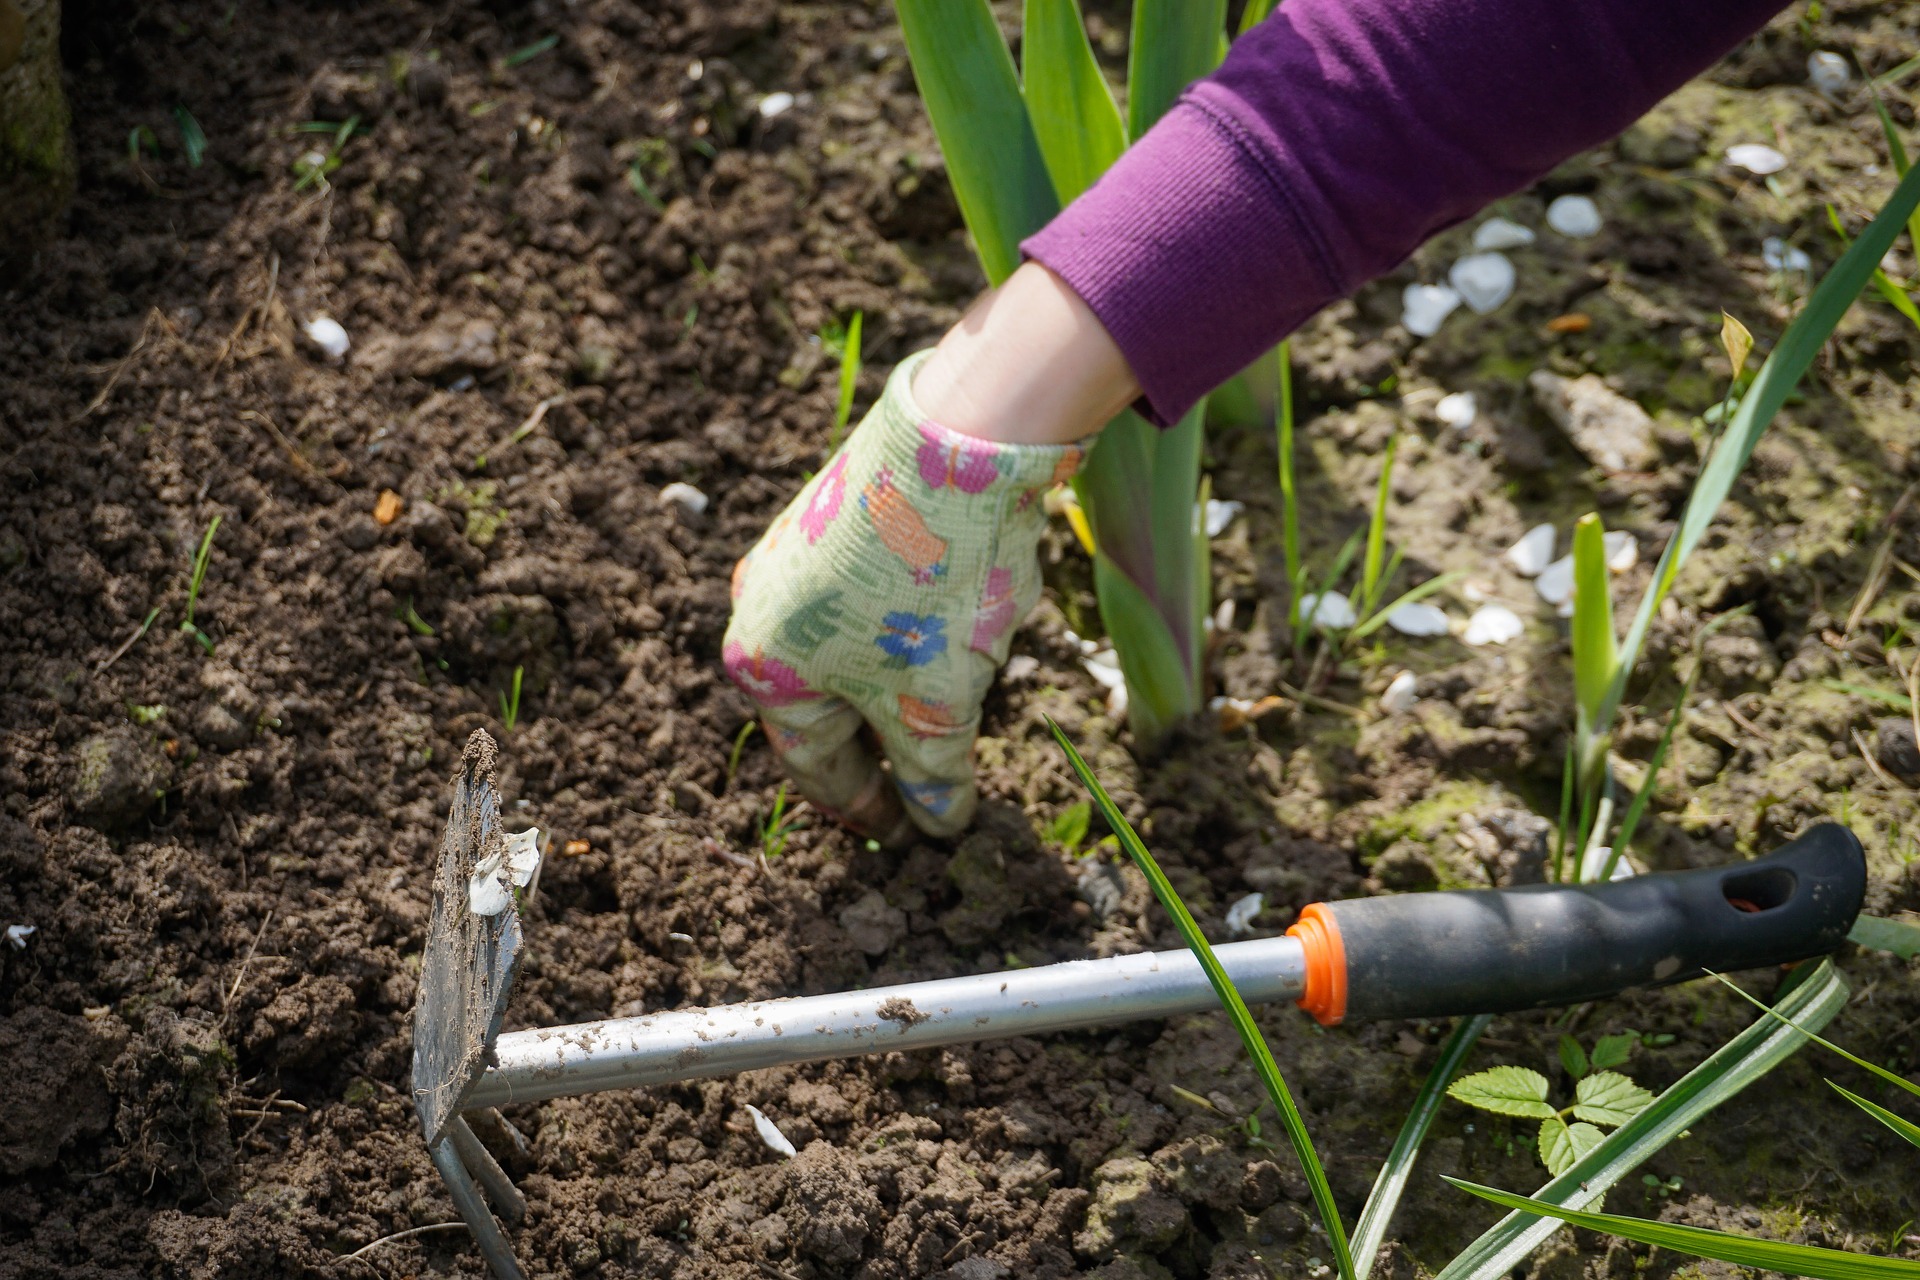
226, 856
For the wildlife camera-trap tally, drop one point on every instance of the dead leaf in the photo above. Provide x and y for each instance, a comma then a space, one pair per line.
1572, 322
574, 848
1738, 342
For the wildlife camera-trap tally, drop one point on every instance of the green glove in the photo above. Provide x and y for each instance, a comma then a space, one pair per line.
885, 595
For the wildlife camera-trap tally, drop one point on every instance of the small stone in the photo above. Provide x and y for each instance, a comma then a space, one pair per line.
1483, 280
1895, 747
1511, 843
1424, 306
684, 496
388, 506
1021, 666
1241, 914
1555, 583
1492, 624
1103, 887
1329, 612
1828, 72
1459, 410
775, 104
1756, 157
874, 924
1574, 216
1613, 432
1534, 552
1499, 233
1419, 619
326, 333
1400, 695
117, 775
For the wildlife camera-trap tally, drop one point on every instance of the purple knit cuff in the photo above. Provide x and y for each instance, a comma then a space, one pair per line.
1143, 247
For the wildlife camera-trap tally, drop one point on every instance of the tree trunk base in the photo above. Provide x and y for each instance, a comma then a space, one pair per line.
36, 153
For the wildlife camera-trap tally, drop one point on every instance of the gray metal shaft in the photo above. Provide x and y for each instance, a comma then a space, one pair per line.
694, 1044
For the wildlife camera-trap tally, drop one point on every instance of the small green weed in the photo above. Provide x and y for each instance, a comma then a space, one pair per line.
1069, 828
146, 715
779, 824
510, 703
200, 561
192, 140
1601, 1097
739, 745
843, 342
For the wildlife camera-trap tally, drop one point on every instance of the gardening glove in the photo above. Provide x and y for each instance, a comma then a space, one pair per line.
884, 596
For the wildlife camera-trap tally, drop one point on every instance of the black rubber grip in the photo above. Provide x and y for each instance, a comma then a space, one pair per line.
1499, 950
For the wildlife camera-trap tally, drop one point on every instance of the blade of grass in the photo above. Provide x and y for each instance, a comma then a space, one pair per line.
1898, 701
1893, 293
1334, 571
966, 78
1644, 795
1816, 995
1074, 117
193, 140
1264, 1065
1899, 1124
1413, 595
1899, 1082
849, 379
1370, 578
1174, 43
201, 558
1256, 12
1897, 152
1595, 651
1778, 376
1746, 1251
1371, 1230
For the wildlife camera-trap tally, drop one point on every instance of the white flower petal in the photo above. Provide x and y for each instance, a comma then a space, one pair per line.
325, 333
1483, 280
1499, 233
1555, 583
1828, 72
1756, 157
1419, 619
486, 896
1400, 696
1575, 216
684, 496
1220, 514
1534, 551
17, 935
775, 104
1240, 915
1424, 306
1459, 410
523, 855
1595, 860
1330, 612
1781, 256
1492, 624
1623, 552
770, 1133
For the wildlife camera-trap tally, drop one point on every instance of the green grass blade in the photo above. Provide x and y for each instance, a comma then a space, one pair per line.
1898, 1082
1898, 701
1896, 936
1745, 1251
1412, 595
1174, 43
193, 140
1897, 152
1896, 296
849, 379
1290, 506
1595, 651
1777, 378
1256, 12
1264, 1065
966, 78
1899, 1124
1073, 113
1377, 532
1812, 1001
1371, 1230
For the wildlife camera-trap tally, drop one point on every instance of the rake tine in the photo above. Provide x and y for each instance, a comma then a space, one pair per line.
501, 1193
473, 1210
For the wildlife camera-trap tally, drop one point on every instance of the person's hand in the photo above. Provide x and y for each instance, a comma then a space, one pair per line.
884, 597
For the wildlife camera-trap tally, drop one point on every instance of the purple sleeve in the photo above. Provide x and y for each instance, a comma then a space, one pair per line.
1337, 136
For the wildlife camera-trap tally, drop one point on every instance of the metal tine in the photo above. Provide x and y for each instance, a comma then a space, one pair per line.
473, 1210
501, 1193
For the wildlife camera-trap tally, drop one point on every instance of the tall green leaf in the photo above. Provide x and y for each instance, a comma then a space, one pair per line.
966, 78
1899, 1124
1777, 378
1745, 1251
1595, 651
1159, 691
1255, 13
1174, 43
1816, 996
1073, 113
1256, 1044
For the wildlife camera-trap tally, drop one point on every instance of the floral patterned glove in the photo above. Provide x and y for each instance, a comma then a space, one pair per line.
885, 595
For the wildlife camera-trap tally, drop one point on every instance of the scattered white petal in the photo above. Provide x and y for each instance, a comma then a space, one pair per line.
1576, 216
1424, 306
523, 855
326, 333
775, 104
17, 935
1117, 701
770, 1133
1781, 256
1499, 233
1104, 666
684, 496
1534, 552
1483, 280
1623, 552
1565, 608
1828, 71
1459, 410
1419, 619
1399, 696
1492, 624
1330, 612
1020, 666
1220, 515
1223, 616
1595, 860
681, 937
486, 896
1555, 583
1756, 157
1240, 915
314, 160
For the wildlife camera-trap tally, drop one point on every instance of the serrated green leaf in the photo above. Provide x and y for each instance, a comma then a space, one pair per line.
1611, 1051
1607, 1097
1505, 1091
1562, 1144
1573, 1057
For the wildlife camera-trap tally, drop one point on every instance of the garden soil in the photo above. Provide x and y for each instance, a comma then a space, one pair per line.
581, 255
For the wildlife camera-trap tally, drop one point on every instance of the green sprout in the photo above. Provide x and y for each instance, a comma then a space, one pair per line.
192, 140
1069, 829
510, 702
311, 167
200, 561
844, 344
779, 824
739, 745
